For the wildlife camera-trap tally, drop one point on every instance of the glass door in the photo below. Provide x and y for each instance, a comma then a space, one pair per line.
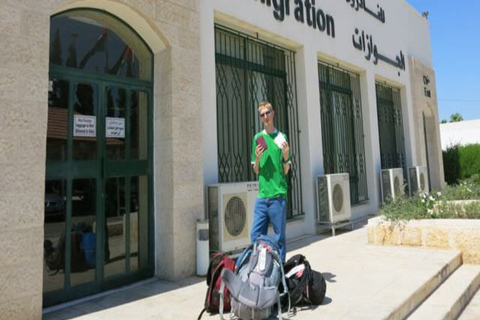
126, 180
98, 187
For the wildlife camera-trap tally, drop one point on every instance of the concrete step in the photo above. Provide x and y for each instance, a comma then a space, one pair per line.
367, 282
472, 311
404, 300
448, 301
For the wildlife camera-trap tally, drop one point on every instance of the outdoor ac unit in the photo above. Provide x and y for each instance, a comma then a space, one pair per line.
418, 180
230, 212
333, 198
391, 184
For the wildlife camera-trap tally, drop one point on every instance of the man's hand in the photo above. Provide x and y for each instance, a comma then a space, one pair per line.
286, 154
258, 154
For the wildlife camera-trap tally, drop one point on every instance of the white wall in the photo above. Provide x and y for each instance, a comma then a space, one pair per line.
462, 133
404, 29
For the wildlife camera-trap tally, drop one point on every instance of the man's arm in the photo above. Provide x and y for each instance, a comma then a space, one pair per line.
286, 157
258, 154
256, 166
286, 167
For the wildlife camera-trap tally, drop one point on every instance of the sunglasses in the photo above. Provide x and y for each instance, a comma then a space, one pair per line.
266, 113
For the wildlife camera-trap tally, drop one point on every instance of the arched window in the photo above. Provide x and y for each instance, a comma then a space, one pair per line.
97, 42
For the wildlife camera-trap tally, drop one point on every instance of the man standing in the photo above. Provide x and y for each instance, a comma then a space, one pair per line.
271, 162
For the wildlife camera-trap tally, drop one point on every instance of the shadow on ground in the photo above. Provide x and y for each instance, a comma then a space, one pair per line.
300, 242
105, 300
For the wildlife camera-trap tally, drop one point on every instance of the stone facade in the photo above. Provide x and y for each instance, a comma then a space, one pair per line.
171, 29
23, 97
424, 103
462, 235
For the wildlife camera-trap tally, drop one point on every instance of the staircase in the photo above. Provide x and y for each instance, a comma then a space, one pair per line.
448, 300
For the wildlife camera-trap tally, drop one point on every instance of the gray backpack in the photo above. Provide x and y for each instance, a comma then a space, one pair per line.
254, 287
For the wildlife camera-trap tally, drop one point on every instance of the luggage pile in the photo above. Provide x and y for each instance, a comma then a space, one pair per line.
257, 285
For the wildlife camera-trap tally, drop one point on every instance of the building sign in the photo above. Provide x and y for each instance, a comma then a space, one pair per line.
365, 43
84, 126
426, 90
303, 11
360, 4
114, 127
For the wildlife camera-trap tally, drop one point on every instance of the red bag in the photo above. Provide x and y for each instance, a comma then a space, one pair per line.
218, 262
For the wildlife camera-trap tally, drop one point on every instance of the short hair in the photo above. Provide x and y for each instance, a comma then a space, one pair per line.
264, 104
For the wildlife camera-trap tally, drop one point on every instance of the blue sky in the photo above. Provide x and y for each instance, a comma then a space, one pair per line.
454, 32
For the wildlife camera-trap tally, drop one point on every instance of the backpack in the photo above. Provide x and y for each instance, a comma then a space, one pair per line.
213, 303
77, 261
318, 288
54, 255
305, 286
254, 288
88, 245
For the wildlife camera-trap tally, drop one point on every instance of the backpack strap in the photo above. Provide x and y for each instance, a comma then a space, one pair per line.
279, 307
279, 261
308, 275
201, 313
233, 283
220, 307
284, 282
244, 256
219, 256
213, 280
303, 283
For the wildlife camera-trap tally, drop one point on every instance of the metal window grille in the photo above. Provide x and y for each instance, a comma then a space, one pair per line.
342, 127
390, 127
249, 71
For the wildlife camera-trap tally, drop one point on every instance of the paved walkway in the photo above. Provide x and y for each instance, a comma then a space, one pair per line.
363, 282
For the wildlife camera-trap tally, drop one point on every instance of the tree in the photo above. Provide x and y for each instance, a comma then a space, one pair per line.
443, 121
72, 52
56, 50
456, 117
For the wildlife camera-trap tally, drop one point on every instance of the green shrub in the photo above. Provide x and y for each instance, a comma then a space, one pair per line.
451, 164
469, 157
461, 162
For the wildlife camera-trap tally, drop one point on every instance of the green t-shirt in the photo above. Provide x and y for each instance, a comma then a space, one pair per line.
272, 180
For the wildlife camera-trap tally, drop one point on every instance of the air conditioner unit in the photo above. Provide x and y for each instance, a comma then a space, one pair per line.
333, 198
230, 212
418, 180
391, 184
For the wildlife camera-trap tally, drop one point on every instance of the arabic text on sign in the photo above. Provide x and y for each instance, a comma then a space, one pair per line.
114, 127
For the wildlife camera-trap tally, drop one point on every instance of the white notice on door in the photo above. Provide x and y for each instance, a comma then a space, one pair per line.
114, 127
84, 126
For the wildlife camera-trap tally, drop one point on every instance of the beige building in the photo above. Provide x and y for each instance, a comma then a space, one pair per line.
117, 114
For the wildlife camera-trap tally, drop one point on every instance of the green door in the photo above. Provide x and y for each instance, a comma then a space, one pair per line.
98, 231
390, 127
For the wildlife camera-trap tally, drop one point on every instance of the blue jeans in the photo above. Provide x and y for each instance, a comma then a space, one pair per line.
272, 210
